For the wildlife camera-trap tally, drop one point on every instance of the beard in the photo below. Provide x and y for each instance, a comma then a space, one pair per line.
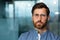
40, 24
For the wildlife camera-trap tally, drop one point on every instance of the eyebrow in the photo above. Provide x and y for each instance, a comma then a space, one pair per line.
41, 14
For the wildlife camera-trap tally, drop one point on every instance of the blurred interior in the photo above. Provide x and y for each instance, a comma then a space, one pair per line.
15, 17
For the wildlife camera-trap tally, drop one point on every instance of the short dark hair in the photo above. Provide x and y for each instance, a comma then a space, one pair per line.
40, 5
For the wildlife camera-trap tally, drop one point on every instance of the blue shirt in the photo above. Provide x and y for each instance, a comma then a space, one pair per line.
33, 35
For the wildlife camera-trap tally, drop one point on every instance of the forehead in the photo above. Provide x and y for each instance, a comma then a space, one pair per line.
40, 11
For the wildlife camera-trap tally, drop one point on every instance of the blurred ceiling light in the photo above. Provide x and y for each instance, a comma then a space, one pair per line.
54, 2
56, 13
11, 10
40, 1
29, 5
6, 7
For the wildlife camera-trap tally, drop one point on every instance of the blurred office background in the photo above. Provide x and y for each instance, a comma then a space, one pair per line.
16, 17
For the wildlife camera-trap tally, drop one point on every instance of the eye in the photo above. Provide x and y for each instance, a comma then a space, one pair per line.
42, 15
36, 14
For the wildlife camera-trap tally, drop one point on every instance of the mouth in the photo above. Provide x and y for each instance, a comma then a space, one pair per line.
39, 22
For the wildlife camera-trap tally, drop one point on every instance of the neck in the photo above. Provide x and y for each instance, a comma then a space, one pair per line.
40, 31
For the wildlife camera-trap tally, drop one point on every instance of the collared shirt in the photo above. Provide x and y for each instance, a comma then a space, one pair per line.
33, 35
39, 36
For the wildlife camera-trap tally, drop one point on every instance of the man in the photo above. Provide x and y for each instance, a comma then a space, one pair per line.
40, 17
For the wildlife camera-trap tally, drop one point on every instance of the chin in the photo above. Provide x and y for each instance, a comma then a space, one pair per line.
38, 27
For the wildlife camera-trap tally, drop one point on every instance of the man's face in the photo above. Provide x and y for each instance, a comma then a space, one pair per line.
40, 18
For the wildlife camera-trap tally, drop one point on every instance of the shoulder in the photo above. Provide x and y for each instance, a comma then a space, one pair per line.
54, 36
23, 36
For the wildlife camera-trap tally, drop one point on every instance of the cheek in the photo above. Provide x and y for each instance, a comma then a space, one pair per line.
34, 19
44, 20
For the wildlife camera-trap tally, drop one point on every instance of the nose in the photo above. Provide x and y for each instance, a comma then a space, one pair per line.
39, 17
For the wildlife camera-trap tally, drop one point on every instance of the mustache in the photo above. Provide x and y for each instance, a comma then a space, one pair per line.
39, 22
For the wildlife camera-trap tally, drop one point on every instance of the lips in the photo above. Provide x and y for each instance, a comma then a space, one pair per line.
39, 22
